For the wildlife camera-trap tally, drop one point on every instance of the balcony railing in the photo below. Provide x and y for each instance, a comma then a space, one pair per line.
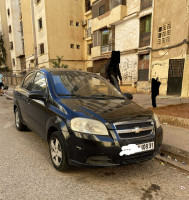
145, 4
106, 48
145, 39
88, 33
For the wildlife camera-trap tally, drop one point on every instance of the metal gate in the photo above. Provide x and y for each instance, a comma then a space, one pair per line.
176, 68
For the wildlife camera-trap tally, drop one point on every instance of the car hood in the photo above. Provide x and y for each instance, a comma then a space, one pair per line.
107, 110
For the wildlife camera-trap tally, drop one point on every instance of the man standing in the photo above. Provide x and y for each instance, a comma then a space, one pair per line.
112, 70
1, 85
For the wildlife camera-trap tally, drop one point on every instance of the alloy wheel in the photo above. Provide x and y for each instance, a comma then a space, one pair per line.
56, 151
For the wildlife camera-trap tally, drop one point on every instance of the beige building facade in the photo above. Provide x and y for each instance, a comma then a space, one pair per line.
56, 28
123, 26
170, 48
16, 43
4, 32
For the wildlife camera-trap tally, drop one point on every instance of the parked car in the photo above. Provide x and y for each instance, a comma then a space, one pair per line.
85, 119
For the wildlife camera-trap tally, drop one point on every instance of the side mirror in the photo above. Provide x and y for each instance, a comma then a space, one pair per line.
129, 96
38, 95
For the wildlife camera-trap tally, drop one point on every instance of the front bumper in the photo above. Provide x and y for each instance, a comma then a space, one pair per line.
89, 150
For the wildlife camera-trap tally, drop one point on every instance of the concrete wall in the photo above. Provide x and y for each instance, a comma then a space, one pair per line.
41, 35
127, 41
61, 35
178, 17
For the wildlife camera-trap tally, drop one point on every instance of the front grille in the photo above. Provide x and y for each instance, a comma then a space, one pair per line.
134, 129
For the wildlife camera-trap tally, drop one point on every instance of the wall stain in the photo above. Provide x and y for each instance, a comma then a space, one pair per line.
128, 70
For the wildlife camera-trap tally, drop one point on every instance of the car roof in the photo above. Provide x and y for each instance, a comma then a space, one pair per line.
49, 70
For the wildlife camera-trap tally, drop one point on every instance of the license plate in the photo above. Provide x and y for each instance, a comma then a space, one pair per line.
146, 146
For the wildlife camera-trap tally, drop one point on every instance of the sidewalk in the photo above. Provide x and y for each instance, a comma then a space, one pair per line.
145, 100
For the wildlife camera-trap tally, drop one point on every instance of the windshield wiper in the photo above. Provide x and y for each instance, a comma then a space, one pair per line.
69, 95
106, 96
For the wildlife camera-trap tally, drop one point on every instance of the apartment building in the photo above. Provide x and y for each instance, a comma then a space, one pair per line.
16, 43
5, 33
28, 36
55, 28
123, 26
170, 46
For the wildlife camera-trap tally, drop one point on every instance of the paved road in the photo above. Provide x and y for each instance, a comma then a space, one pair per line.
26, 172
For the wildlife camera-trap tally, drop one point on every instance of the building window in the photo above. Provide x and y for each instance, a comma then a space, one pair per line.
72, 46
87, 5
101, 10
145, 4
71, 23
106, 40
77, 23
13, 62
89, 47
164, 33
8, 12
37, 1
143, 67
78, 46
145, 30
11, 45
41, 48
40, 24
10, 29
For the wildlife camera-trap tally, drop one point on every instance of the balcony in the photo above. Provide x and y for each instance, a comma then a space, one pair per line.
88, 33
109, 18
145, 39
145, 4
106, 48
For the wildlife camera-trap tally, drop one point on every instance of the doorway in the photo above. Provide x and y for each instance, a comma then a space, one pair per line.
176, 68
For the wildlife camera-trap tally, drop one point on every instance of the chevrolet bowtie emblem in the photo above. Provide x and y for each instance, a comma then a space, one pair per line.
137, 130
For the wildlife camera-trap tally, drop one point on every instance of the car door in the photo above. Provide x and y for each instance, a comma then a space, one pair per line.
37, 110
21, 93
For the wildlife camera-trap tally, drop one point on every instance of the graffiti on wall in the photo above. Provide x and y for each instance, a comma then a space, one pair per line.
128, 70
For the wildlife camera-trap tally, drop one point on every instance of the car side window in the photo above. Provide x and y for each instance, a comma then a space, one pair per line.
28, 82
40, 84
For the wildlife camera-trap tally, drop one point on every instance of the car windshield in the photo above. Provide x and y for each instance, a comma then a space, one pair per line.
82, 84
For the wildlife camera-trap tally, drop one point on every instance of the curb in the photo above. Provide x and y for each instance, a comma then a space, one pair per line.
175, 151
176, 164
175, 121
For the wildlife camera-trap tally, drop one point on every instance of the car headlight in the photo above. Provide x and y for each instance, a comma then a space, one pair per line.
157, 121
90, 126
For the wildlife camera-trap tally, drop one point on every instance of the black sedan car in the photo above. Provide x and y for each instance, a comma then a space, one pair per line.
85, 120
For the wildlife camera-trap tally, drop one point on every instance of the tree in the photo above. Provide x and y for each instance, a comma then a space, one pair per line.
57, 62
3, 53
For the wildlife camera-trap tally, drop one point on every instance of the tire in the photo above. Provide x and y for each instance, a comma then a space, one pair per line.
58, 152
18, 121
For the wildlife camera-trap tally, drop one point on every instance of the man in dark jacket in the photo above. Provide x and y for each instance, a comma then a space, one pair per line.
112, 71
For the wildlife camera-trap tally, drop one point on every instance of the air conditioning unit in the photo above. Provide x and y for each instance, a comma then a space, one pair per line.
84, 23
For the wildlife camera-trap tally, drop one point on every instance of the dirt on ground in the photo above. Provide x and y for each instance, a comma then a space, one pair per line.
180, 110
